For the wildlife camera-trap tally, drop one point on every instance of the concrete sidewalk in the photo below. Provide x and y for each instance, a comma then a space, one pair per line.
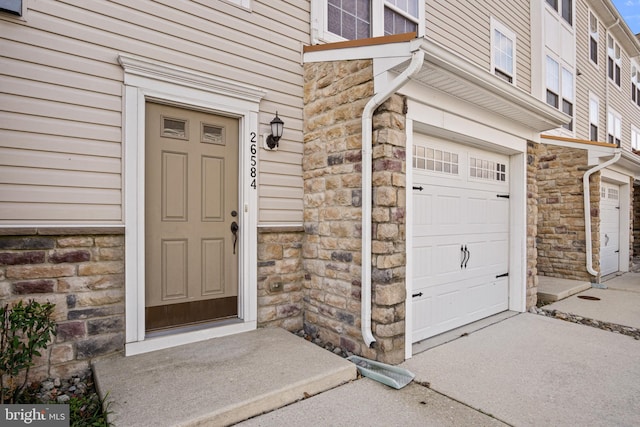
619, 303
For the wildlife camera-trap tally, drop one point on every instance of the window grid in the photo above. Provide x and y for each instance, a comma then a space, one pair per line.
635, 138
593, 38
635, 83
487, 169
349, 19
503, 55
614, 194
614, 60
614, 128
431, 159
594, 115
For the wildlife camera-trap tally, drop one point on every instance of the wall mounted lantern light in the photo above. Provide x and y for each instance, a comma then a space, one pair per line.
277, 127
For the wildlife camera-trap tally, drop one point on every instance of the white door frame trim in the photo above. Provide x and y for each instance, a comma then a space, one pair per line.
146, 80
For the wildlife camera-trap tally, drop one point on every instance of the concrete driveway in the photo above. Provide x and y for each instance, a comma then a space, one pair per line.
527, 370
531, 370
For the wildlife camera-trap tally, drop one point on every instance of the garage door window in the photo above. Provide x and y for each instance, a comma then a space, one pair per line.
430, 159
487, 170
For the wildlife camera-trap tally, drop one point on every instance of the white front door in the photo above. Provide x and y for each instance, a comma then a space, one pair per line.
460, 236
609, 228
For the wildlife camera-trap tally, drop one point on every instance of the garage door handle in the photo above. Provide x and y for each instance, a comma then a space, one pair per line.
468, 256
465, 256
419, 294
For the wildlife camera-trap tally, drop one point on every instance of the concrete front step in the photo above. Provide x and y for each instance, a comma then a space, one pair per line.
219, 381
552, 289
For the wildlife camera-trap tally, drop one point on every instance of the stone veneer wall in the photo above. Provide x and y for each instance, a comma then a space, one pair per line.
334, 96
280, 278
83, 275
561, 237
532, 224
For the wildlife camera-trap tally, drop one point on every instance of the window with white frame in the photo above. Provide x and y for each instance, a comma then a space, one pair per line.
567, 96
335, 20
594, 117
503, 51
635, 83
553, 82
614, 60
635, 138
560, 88
594, 37
564, 8
614, 127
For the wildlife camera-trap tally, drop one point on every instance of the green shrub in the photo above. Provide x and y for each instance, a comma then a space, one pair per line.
26, 329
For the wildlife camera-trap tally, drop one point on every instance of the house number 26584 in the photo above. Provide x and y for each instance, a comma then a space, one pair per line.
253, 162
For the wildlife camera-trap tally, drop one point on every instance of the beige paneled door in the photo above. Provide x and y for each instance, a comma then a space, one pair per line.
191, 217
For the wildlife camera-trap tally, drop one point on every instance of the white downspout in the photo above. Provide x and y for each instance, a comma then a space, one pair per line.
587, 208
367, 155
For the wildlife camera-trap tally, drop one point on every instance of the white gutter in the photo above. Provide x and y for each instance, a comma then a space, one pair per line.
414, 67
587, 207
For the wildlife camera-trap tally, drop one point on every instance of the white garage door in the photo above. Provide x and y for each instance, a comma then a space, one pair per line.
609, 228
460, 235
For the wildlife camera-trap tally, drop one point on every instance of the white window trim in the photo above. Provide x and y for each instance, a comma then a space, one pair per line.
149, 80
319, 21
596, 36
615, 61
635, 137
634, 64
497, 25
593, 97
616, 117
560, 93
246, 4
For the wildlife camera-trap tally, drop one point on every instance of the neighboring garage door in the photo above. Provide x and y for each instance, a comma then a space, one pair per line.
609, 228
460, 235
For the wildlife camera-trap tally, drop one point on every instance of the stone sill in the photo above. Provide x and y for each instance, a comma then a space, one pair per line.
280, 228
61, 231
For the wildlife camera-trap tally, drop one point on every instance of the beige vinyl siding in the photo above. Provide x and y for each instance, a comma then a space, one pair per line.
62, 89
593, 79
465, 28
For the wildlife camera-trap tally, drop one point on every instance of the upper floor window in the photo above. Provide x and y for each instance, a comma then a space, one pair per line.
594, 117
335, 20
560, 90
565, 7
614, 127
503, 51
635, 138
614, 60
593, 38
635, 83
349, 19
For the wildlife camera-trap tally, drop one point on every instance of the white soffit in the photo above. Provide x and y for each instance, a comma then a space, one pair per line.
456, 76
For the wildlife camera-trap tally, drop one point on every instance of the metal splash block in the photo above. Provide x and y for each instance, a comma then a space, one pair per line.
390, 375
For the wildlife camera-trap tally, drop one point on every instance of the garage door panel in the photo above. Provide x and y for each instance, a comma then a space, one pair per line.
460, 244
609, 228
